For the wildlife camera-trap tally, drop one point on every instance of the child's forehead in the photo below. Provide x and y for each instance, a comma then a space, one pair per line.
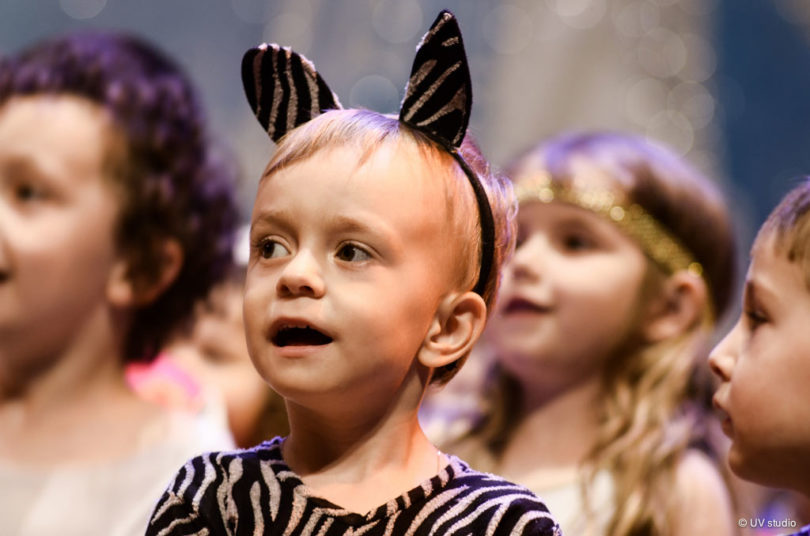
320, 201
771, 267
55, 133
390, 157
354, 174
64, 106
394, 183
770, 246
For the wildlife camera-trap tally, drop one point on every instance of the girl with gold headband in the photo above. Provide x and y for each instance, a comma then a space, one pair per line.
624, 261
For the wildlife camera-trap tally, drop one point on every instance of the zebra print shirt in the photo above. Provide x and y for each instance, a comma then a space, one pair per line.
253, 492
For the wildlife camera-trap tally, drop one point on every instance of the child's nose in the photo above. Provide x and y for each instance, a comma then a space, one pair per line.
529, 259
301, 277
724, 355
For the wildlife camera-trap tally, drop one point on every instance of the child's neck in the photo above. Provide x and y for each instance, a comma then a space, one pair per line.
73, 409
361, 461
554, 434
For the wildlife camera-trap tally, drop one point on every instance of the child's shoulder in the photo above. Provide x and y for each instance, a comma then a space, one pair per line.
265, 452
250, 464
706, 506
697, 473
516, 509
193, 498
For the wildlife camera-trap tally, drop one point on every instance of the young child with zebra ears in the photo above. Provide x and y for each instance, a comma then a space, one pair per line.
762, 363
116, 215
623, 262
376, 246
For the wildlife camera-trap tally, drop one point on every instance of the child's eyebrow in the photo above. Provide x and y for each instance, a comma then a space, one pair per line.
749, 293
280, 217
755, 292
24, 165
350, 225
377, 229
337, 224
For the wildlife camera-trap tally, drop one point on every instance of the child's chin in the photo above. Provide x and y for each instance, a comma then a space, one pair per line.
757, 469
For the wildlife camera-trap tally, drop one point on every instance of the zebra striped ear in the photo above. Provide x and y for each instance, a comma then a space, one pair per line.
283, 88
438, 98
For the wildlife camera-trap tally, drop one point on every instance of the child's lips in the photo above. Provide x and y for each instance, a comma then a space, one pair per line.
290, 332
523, 305
725, 418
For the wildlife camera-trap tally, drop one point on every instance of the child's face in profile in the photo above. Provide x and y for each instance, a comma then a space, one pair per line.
57, 217
348, 263
764, 367
570, 295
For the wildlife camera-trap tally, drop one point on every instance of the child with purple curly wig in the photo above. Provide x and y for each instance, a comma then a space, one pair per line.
116, 216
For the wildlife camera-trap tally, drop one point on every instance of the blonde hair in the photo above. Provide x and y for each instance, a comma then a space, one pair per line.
646, 419
368, 131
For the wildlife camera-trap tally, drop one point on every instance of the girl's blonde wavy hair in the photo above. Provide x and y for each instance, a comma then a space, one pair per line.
652, 409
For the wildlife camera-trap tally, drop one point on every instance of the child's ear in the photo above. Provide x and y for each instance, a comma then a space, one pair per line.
679, 305
458, 324
124, 290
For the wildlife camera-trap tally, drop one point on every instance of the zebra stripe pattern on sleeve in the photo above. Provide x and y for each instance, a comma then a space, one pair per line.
253, 492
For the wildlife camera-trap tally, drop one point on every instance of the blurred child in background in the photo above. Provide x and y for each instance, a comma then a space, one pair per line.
116, 215
206, 367
624, 261
763, 363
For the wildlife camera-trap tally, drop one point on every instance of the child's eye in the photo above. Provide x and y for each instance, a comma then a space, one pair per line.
272, 249
27, 192
755, 318
352, 253
577, 242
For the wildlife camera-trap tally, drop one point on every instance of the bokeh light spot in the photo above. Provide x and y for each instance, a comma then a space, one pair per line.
82, 9
694, 101
662, 53
375, 92
397, 21
674, 129
508, 29
290, 28
644, 99
701, 59
637, 18
579, 14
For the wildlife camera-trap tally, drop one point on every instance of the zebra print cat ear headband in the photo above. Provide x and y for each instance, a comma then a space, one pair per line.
284, 91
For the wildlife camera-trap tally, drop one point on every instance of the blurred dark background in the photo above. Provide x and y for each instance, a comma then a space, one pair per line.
724, 82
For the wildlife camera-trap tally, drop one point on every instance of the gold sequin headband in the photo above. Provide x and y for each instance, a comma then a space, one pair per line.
655, 240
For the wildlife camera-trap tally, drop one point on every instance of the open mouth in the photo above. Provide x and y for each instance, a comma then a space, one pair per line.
299, 336
520, 305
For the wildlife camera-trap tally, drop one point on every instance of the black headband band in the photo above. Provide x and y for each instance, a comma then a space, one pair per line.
487, 226
284, 91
